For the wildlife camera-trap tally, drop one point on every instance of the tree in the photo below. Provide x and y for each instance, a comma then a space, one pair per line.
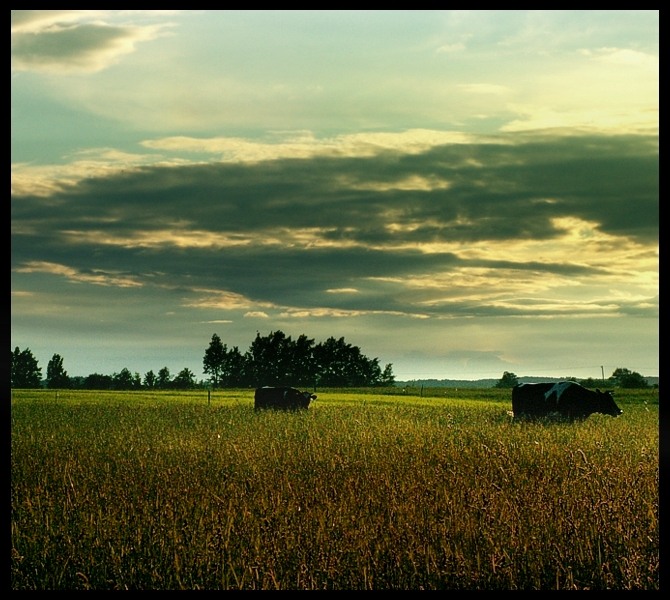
508, 380
330, 357
96, 381
57, 377
269, 359
184, 380
163, 381
340, 364
374, 377
24, 370
589, 382
125, 380
387, 378
625, 378
150, 379
233, 368
212, 362
301, 364
77, 382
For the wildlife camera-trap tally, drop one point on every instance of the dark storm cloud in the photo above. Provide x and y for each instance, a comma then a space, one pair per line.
66, 44
57, 40
285, 231
505, 191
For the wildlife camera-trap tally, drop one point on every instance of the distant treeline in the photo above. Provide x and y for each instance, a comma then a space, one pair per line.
275, 359
629, 379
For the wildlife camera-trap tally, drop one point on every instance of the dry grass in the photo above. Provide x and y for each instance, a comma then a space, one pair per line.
362, 491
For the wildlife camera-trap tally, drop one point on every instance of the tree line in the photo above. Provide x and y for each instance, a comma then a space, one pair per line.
275, 359
620, 377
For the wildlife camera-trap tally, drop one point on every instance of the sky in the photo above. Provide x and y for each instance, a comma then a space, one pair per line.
457, 193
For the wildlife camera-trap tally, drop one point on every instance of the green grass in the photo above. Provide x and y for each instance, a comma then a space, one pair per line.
365, 490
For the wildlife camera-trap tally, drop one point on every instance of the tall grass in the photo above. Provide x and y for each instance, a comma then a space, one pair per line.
362, 491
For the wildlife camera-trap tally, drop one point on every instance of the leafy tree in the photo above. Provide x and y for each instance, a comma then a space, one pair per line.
77, 382
125, 380
233, 368
96, 381
340, 364
150, 379
624, 378
387, 378
277, 359
301, 363
213, 361
24, 370
365, 372
330, 357
508, 380
268, 359
375, 376
163, 381
184, 380
226, 367
57, 377
591, 383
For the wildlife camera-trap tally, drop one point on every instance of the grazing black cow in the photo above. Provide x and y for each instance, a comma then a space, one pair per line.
285, 398
565, 399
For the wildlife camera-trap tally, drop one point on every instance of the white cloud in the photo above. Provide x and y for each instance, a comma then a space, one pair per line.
95, 277
34, 21
608, 90
303, 144
44, 180
624, 57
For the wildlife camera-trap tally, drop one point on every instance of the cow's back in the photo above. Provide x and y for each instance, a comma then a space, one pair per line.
563, 399
286, 398
264, 397
529, 400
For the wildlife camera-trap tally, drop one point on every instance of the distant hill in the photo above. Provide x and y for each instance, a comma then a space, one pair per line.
483, 383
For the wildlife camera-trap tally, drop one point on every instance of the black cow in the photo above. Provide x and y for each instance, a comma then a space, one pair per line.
285, 398
565, 399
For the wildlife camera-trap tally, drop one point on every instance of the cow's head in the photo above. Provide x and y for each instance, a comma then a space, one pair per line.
606, 404
307, 397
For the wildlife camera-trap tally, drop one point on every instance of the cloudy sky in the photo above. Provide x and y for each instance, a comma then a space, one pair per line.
457, 193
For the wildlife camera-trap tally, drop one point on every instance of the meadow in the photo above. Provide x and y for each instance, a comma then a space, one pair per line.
366, 490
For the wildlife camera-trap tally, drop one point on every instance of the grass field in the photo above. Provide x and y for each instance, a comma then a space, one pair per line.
368, 489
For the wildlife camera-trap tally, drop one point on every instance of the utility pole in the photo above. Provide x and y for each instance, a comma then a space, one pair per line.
602, 371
